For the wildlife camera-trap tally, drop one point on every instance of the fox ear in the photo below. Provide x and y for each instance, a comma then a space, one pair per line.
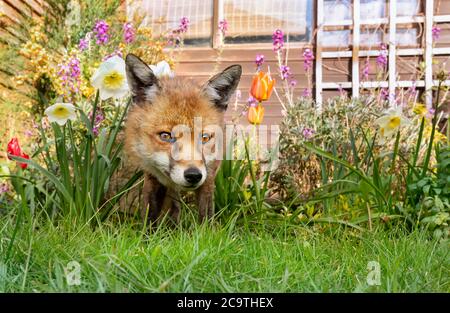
143, 83
220, 88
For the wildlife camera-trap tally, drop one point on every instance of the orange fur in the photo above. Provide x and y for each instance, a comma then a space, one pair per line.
160, 105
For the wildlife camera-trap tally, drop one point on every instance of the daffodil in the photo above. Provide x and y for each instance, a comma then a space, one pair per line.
420, 110
60, 113
162, 69
438, 136
111, 79
391, 121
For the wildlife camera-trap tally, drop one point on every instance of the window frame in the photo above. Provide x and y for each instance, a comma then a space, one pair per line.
218, 43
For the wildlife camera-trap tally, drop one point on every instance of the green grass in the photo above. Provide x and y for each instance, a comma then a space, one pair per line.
120, 257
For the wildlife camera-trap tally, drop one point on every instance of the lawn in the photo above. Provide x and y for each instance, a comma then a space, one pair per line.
119, 257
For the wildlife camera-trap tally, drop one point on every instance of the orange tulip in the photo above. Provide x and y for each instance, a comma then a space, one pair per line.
255, 115
262, 86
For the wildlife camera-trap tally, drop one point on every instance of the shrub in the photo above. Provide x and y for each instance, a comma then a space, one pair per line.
300, 171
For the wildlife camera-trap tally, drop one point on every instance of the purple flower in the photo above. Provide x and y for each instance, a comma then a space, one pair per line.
223, 26
342, 91
259, 60
70, 74
412, 90
251, 102
183, 27
4, 188
83, 44
28, 133
430, 112
99, 118
309, 58
116, 52
74, 65
307, 93
308, 133
436, 32
101, 32
293, 83
277, 40
384, 93
382, 57
128, 32
366, 70
285, 72
174, 37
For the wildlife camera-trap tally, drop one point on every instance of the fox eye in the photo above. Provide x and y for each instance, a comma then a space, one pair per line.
206, 137
167, 137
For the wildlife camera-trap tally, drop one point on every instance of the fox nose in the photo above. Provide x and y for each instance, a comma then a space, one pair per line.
193, 175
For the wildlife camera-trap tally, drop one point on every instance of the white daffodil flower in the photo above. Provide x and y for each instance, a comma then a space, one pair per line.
162, 69
60, 113
391, 121
111, 79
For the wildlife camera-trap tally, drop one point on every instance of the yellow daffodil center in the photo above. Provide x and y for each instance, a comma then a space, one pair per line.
394, 122
420, 109
61, 112
113, 80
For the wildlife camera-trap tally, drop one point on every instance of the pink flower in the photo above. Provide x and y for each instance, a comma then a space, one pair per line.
412, 90
101, 32
309, 58
307, 93
293, 83
70, 74
174, 37
4, 188
436, 32
128, 32
366, 70
384, 93
277, 40
99, 117
83, 44
382, 57
223, 26
259, 60
308, 133
285, 72
183, 27
251, 102
342, 91
116, 52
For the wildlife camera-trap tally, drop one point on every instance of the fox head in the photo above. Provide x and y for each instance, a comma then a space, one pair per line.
174, 128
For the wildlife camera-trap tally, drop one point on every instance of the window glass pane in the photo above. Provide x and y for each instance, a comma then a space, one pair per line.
255, 21
407, 7
371, 38
371, 9
163, 15
336, 38
337, 10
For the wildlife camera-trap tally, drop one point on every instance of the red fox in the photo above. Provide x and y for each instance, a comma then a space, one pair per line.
156, 140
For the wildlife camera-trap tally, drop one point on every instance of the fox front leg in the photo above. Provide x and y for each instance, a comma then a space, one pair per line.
154, 194
205, 201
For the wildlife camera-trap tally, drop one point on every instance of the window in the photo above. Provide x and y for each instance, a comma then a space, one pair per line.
164, 15
255, 21
248, 21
